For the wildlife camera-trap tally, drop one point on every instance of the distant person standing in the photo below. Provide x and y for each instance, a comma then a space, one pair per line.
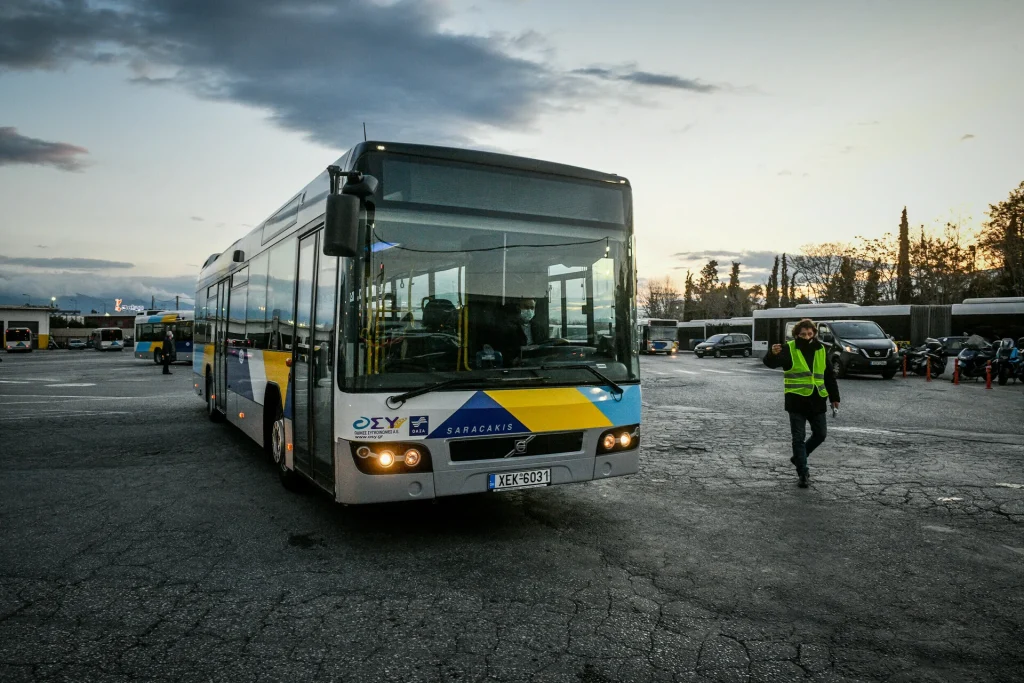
168, 352
809, 386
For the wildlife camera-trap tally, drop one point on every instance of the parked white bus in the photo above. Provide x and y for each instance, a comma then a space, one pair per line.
423, 321
17, 339
107, 339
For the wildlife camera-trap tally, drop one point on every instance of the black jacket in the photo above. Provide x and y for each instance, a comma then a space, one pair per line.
510, 339
805, 405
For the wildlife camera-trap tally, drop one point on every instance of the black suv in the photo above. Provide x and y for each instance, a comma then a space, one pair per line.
859, 347
719, 345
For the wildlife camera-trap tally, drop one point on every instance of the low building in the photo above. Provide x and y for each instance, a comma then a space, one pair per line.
35, 318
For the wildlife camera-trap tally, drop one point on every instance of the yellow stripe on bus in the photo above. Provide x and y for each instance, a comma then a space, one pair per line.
550, 410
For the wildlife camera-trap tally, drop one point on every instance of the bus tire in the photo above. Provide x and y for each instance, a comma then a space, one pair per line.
278, 443
158, 356
211, 402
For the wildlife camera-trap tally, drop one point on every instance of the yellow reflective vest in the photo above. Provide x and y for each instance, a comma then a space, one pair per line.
800, 379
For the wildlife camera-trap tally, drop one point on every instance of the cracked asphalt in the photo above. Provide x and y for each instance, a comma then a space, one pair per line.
139, 541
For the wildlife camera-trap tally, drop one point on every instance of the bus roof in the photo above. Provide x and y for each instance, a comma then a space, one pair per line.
820, 311
165, 317
310, 202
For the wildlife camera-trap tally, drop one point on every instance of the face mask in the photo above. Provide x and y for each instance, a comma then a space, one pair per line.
804, 343
526, 315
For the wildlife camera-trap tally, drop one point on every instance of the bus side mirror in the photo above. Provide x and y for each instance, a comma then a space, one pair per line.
341, 225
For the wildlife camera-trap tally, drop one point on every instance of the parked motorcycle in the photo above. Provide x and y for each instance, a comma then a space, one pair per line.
1007, 363
974, 357
918, 358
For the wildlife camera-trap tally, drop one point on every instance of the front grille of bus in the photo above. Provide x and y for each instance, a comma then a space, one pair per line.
509, 447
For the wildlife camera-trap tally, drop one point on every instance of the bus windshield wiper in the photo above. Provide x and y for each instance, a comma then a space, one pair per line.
617, 391
395, 402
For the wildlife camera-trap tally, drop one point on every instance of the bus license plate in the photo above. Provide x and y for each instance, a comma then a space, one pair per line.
878, 362
518, 480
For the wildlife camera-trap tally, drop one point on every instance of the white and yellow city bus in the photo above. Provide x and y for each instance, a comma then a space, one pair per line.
422, 321
151, 330
658, 335
17, 339
107, 339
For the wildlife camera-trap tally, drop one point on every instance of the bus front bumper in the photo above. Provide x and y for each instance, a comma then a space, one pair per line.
354, 487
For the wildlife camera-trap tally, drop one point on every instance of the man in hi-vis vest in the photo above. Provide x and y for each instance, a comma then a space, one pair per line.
809, 385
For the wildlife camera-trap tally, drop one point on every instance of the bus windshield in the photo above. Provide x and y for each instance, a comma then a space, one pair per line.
17, 334
663, 331
110, 334
453, 295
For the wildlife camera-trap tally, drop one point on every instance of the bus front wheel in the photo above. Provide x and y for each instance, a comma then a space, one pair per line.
278, 448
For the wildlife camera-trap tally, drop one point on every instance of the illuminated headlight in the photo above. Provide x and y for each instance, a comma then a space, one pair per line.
391, 458
619, 439
850, 348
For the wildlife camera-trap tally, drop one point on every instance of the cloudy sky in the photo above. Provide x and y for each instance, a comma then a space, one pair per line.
136, 138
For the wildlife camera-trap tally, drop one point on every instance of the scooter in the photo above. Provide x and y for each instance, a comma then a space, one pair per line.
1007, 363
918, 358
974, 357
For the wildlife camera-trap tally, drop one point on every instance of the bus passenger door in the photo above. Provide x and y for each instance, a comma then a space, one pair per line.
303, 354
220, 348
322, 371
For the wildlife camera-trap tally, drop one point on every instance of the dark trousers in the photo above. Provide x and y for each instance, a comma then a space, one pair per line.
167, 366
802, 449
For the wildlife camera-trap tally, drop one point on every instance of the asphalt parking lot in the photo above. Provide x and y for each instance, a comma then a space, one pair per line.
139, 541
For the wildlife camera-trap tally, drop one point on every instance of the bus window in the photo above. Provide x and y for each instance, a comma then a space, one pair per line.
280, 296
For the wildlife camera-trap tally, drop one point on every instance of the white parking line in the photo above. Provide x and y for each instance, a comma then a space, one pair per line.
73, 384
718, 372
65, 413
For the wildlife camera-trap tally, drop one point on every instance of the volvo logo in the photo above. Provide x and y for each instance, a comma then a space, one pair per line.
520, 447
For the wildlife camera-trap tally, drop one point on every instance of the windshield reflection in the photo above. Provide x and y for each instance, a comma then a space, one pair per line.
457, 296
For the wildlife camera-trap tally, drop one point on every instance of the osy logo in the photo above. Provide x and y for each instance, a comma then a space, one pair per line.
372, 423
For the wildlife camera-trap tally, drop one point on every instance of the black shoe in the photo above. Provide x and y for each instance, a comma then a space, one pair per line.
803, 481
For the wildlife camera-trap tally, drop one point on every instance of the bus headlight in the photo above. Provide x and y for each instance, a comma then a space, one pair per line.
390, 458
619, 439
412, 457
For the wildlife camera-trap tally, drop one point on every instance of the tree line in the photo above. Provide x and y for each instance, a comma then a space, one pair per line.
919, 266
